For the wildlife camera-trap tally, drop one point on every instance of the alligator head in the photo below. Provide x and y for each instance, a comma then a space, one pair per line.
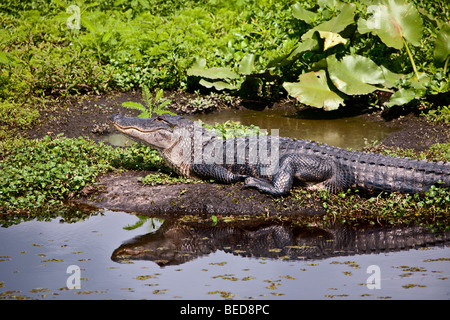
172, 136
158, 132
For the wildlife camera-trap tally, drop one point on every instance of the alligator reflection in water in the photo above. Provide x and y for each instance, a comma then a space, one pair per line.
175, 244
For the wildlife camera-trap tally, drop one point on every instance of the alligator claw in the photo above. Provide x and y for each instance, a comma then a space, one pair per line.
251, 182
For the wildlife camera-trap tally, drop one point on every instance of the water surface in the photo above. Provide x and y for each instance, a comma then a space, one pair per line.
34, 262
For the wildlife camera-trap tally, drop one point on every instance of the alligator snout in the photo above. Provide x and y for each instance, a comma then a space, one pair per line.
115, 117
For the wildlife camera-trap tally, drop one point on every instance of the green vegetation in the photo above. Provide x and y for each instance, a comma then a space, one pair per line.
49, 49
437, 152
163, 178
44, 173
441, 114
234, 129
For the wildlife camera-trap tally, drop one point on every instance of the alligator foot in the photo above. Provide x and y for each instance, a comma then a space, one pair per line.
267, 187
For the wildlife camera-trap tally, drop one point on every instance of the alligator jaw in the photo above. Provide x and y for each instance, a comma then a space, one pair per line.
151, 131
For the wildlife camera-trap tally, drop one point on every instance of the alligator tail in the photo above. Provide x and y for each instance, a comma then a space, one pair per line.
374, 173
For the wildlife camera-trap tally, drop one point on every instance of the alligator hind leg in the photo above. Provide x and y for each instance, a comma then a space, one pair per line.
307, 169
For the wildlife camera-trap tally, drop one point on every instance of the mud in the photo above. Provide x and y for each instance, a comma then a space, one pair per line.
124, 192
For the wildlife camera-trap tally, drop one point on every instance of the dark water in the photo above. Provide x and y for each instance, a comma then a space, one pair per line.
352, 132
159, 260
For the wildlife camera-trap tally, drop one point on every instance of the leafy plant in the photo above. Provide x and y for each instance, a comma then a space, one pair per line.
14, 115
341, 39
138, 157
441, 114
226, 77
313, 90
46, 172
395, 22
442, 48
154, 104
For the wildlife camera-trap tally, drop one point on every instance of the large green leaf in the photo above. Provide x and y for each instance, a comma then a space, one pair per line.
442, 47
334, 4
303, 14
393, 20
247, 64
213, 73
219, 85
401, 97
198, 69
314, 91
336, 24
354, 74
390, 78
306, 45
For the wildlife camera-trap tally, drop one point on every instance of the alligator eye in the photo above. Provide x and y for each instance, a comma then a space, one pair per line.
162, 120
165, 122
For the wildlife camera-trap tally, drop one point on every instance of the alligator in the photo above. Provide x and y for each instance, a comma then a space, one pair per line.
272, 164
175, 244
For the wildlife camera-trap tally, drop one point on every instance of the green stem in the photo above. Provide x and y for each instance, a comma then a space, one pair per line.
446, 65
411, 58
385, 90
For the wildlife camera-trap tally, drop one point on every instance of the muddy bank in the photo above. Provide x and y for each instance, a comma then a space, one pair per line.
125, 192
416, 133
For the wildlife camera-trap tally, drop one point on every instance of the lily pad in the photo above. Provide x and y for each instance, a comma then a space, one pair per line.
198, 69
305, 45
213, 73
354, 74
313, 90
390, 78
247, 64
219, 85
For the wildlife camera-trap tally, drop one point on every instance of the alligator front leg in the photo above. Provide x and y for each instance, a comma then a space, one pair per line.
216, 172
307, 169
